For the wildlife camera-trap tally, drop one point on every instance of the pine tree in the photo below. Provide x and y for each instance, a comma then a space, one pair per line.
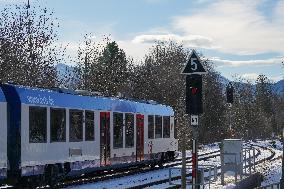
112, 70
103, 67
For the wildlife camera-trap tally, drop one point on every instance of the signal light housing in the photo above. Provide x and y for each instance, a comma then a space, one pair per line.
194, 104
230, 93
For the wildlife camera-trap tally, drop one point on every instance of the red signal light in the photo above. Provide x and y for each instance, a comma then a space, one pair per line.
194, 90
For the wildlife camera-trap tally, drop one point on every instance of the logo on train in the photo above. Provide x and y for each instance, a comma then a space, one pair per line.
40, 100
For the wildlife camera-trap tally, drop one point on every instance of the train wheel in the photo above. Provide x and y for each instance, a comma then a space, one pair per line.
27, 183
21, 183
161, 161
51, 175
33, 182
152, 165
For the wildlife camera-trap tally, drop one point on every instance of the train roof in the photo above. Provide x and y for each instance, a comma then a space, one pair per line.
47, 97
2, 96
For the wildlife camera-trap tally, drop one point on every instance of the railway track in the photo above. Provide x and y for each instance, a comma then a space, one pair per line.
108, 175
269, 158
204, 156
115, 174
165, 181
140, 170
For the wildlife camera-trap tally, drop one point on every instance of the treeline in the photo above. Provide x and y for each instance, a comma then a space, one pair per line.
29, 53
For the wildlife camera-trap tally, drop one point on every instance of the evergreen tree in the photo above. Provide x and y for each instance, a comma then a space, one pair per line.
112, 70
103, 67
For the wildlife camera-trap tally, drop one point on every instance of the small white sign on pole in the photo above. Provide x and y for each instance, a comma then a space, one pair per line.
194, 120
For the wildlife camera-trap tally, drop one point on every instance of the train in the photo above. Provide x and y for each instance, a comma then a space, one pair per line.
51, 133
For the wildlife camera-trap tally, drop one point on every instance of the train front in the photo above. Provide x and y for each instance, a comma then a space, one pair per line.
3, 136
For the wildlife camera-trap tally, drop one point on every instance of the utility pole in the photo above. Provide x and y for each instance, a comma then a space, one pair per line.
193, 69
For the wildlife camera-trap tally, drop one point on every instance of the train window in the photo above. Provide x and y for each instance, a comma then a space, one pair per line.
129, 130
158, 126
150, 127
76, 125
89, 126
37, 124
166, 127
117, 130
57, 125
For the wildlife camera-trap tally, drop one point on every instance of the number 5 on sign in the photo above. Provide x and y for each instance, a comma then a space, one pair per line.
193, 64
194, 120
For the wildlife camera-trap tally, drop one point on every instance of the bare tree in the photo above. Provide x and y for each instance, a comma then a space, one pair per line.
28, 46
158, 78
214, 124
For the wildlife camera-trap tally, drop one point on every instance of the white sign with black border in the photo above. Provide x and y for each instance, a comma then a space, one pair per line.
193, 65
194, 120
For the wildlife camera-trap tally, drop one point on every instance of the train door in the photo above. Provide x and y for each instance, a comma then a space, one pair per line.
105, 138
139, 137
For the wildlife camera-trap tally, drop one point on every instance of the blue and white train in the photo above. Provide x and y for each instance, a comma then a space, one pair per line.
49, 133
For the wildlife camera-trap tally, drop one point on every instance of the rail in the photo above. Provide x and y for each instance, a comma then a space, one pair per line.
270, 186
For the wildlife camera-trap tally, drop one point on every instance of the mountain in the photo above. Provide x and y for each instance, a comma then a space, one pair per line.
63, 70
66, 75
224, 80
279, 87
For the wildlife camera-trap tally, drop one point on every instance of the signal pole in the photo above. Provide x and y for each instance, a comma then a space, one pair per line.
282, 175
183, 169
195, 158
193, 69
230, 100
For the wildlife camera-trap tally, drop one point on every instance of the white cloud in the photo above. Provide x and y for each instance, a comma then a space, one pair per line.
276, 78
253, 77
189, 40
134, 50
250, 76
236, 27
236, 63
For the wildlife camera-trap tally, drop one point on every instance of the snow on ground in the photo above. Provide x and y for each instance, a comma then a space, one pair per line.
270, 170
143, 178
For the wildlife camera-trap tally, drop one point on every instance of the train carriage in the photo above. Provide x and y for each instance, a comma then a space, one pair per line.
3, 136
72, 134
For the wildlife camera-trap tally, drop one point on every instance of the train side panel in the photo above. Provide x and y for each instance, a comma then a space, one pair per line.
157, 146
38, 149
35, 155
3, 140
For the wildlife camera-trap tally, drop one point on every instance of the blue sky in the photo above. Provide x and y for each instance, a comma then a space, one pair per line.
241, 37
